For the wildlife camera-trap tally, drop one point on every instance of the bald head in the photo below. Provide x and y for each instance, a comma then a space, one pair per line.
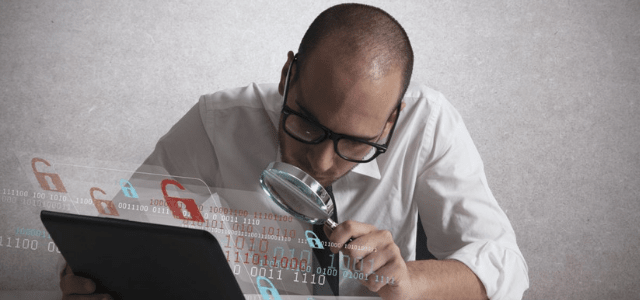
365, 38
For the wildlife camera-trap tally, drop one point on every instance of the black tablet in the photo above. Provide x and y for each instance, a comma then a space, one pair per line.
133, 260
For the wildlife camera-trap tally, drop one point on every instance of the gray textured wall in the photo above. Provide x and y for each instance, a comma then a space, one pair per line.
549, 91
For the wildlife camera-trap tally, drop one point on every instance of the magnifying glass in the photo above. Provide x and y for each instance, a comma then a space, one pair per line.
298, 193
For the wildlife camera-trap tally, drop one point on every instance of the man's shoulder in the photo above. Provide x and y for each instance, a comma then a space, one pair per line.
264, 96
423, 102
419, 91
242, 109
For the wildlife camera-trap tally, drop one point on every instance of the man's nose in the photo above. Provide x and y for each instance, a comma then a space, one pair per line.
321, 156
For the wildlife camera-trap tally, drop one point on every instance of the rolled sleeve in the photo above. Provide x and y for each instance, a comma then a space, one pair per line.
460, 215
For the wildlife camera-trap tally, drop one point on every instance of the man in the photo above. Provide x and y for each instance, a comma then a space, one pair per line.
345, 114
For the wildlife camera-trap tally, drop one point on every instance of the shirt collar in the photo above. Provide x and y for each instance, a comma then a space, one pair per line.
368, 169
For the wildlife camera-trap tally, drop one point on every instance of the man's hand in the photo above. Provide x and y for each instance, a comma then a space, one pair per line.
376, 254
78, 288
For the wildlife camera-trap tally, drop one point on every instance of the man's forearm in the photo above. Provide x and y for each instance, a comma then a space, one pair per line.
444, 279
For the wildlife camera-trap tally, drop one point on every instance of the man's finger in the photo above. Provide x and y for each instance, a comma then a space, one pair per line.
66, 270
349, 229
383, 276
371, 263
72, 284
374, 241
87, 297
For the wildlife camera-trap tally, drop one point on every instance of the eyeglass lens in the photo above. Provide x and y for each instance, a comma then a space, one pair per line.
310, 133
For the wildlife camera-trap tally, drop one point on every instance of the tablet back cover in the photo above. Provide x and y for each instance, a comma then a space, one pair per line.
133, 260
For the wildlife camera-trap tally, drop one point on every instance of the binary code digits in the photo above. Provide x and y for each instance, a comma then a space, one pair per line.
272, 251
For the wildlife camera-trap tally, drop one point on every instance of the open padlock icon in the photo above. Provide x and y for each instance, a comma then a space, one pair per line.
99, 203
313, 240
42, 177
172, 202
127, 189
267, 292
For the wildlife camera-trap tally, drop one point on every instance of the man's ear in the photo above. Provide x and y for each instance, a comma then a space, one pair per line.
283, 74
394, 115
392, 119
402, 105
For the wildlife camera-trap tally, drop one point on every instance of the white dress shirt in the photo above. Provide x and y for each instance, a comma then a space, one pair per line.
432, 167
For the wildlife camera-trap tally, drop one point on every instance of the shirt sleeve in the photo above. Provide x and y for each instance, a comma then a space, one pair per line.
460, 215
185, 150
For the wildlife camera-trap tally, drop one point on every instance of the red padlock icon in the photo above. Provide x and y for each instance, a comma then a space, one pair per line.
99, 203
42, 177
172, 202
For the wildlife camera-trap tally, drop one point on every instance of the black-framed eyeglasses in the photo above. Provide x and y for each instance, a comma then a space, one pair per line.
308, 131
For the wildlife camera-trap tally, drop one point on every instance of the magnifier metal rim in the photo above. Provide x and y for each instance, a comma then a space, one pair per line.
306, 180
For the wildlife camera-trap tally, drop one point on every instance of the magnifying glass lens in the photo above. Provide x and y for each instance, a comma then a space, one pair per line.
296, 192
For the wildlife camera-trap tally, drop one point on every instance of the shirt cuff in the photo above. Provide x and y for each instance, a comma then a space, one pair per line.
502, 270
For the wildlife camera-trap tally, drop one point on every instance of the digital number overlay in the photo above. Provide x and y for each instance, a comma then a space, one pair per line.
270, 252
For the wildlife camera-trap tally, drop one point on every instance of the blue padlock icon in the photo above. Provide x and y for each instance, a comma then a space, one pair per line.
268, 292
127, 188
314, 241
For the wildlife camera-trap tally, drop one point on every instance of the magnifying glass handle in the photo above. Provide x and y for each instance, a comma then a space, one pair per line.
333, 225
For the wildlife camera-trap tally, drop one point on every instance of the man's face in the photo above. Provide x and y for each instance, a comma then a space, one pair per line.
334, 95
